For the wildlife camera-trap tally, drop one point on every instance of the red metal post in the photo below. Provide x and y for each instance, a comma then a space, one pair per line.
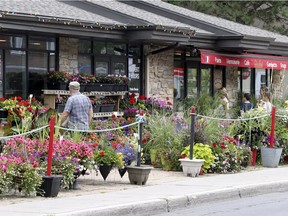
273, 115
50, 150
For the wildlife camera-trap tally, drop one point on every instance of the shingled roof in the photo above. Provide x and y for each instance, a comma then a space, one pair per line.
221, 23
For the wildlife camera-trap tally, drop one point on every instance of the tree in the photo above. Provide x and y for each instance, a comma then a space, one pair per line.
270, 15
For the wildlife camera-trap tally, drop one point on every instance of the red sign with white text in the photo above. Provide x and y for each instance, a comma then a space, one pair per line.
245, 61
178, 71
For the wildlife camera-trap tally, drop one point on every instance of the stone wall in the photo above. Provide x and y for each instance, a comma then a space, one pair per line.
68, 54
278, 87
160, 67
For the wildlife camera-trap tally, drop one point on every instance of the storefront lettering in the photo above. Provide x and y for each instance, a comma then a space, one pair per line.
218, 60
272, 65
283, 65
247, 62
233, 62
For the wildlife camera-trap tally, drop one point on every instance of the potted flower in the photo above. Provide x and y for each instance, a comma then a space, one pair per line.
270, 155
58, 80
129, 155
84, 80
60, 103
120, 83
26, 178
107, 104
201, 151
96, 103
107, 158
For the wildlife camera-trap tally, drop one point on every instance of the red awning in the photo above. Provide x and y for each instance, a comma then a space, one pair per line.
244, 60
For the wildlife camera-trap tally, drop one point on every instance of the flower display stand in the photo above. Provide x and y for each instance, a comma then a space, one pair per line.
96, 108
138, 174
57, 86
51, 185
107, 107
270, 156
191, 167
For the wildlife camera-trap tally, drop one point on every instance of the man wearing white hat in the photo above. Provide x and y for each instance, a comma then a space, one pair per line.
78, 108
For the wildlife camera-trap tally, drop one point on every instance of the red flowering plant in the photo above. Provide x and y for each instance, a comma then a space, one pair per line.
69, 159
229, 156
82, 78
23, 112
22, 166
1, 103
108, 156
58, 76
132, 105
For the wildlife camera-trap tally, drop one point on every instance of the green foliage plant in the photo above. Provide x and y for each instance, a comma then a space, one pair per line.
201, 151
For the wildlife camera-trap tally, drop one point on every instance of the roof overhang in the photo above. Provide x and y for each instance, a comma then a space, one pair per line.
241, 43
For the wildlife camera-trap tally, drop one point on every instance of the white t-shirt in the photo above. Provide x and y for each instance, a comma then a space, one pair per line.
267, 106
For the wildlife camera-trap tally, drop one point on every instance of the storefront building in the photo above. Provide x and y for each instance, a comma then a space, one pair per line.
167, 51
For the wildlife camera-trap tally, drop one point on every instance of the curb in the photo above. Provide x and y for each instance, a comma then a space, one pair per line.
164, 205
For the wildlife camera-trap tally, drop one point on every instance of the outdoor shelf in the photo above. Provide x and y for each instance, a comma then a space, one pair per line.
51, 95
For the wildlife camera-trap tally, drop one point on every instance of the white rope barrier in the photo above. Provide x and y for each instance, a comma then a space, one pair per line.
282, 116
229, 119
26, 133
97, 131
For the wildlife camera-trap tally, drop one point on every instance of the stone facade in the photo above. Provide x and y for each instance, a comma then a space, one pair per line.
160, 67
277, 84
68, 54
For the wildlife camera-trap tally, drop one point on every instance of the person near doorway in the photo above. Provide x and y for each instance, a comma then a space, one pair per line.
224, 101
78, 109
267, 105
246, 104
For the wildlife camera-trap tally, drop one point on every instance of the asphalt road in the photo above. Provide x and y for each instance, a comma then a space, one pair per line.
275, 204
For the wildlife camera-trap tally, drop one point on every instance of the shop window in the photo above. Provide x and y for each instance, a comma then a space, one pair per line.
134, 51
84, 46
116, 49
246, 80
84, 63
15, 42
133, 72
118, 67
101, 67
52, 65
99, 48
179, 82
192, 90
15, 74
37, 68
260, 80
41, 43
205, 81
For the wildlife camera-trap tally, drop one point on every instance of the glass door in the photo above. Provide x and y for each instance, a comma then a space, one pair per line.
192, 80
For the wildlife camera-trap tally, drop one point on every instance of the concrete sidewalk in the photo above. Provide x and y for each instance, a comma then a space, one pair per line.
175, 191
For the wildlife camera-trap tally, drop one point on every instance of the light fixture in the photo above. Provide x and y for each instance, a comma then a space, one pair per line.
3, 40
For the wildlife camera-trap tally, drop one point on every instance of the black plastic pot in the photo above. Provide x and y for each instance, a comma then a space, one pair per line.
51, 185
